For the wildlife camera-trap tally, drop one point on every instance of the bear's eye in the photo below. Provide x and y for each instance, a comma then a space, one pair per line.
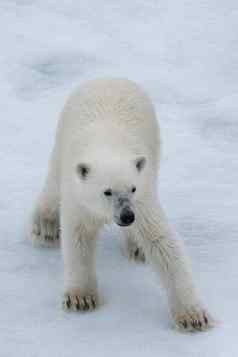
108, 192
133, 190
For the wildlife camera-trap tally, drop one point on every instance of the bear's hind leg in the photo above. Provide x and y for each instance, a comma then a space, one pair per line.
130, 247
45, 227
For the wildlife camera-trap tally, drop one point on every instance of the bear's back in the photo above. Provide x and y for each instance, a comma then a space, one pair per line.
118, 104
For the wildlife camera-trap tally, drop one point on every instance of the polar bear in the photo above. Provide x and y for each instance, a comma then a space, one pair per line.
104, 169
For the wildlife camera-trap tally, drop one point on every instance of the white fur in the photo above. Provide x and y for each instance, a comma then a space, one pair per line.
108, 124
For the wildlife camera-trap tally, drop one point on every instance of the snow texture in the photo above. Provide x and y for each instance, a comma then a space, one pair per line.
185, 54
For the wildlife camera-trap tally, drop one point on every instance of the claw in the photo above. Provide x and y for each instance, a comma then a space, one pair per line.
45, 230
80, 303
194, 321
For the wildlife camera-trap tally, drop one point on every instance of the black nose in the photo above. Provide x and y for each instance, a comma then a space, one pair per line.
127, 216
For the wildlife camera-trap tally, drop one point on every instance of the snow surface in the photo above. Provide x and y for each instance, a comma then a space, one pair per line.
185, 53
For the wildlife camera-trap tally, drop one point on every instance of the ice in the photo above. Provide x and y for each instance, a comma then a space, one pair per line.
185, 54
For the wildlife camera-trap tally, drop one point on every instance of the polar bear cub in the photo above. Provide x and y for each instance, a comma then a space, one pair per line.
104, 169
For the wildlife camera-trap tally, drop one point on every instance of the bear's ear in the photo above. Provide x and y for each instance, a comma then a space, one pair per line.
140, 163
83, 170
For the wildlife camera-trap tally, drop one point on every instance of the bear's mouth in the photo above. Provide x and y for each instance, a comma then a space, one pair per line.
123, 224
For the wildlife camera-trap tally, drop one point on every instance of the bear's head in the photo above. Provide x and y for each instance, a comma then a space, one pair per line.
108, 188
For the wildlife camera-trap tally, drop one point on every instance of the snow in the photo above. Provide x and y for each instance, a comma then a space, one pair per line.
185, 54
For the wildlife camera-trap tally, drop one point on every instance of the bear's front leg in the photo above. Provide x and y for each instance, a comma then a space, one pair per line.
78, 248
166, 254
